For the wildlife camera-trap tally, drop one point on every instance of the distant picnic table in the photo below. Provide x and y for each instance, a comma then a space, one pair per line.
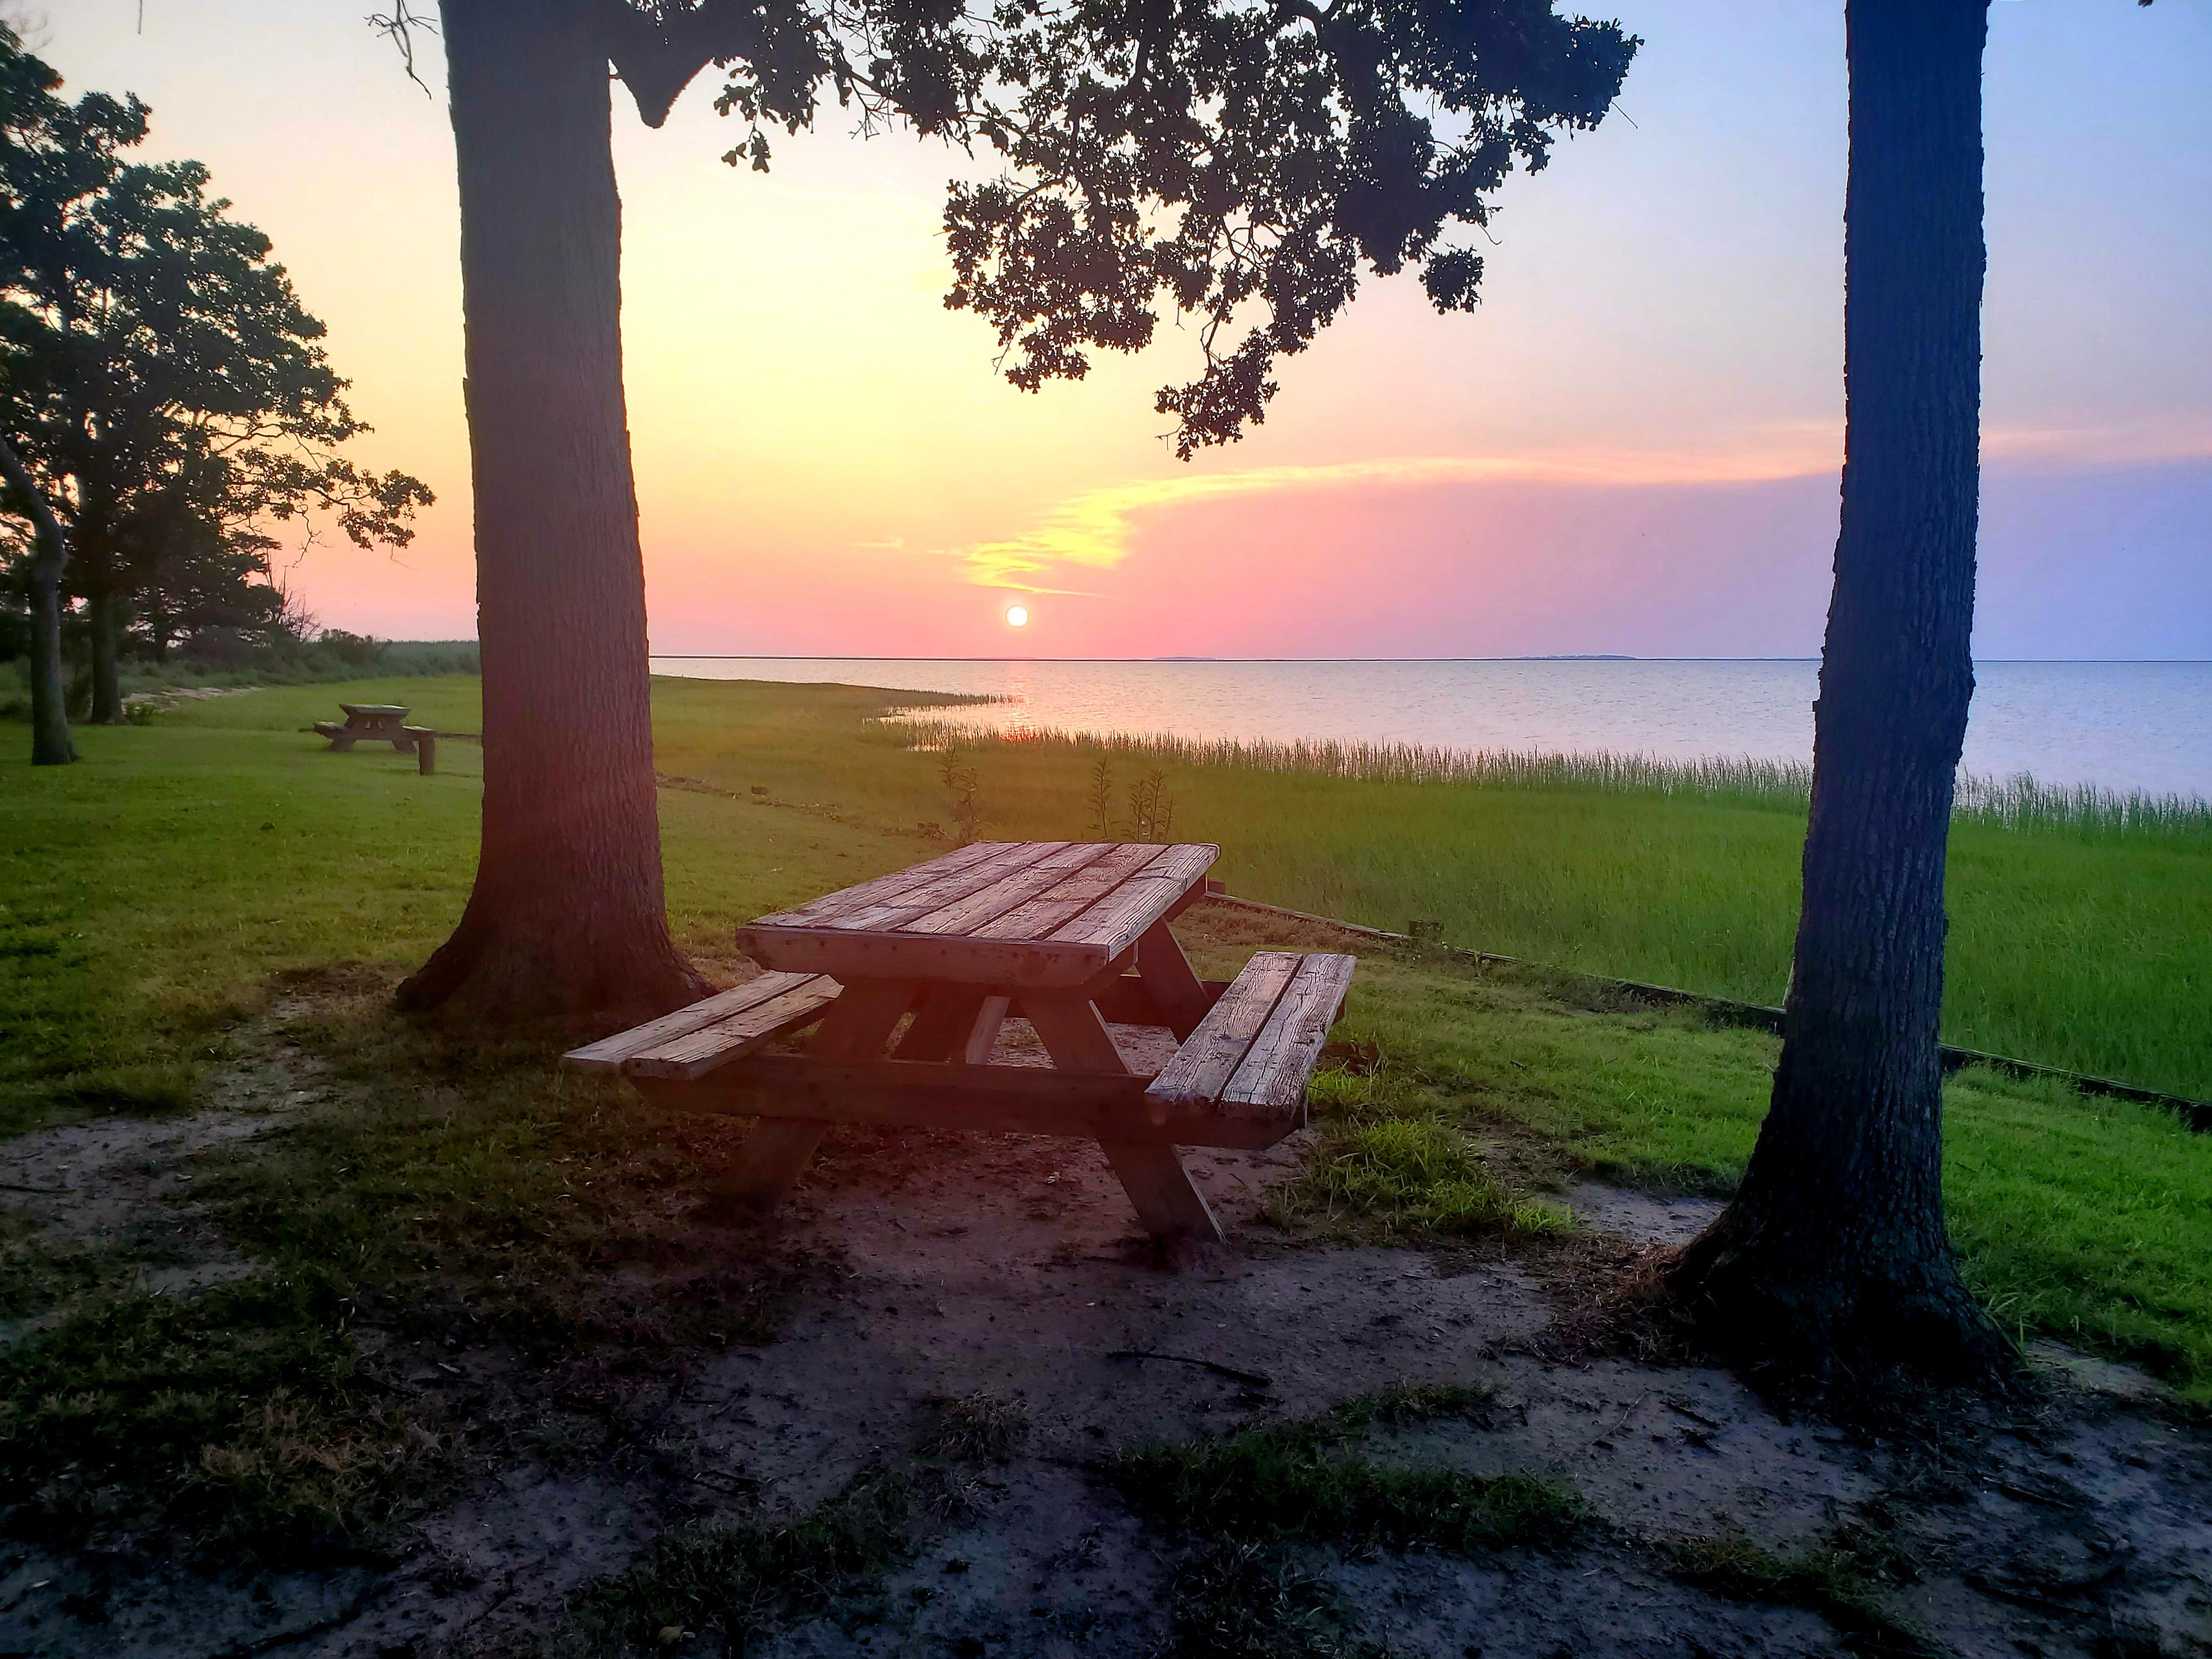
1071, 936
380, 722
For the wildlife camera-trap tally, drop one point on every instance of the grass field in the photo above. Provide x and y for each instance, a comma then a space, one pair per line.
170, 882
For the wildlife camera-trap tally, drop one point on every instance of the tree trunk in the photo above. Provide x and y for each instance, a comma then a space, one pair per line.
567, 920
106, 620
1834, 1255
51, 743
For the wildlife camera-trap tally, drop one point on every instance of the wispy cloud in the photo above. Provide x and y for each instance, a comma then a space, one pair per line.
1093, 530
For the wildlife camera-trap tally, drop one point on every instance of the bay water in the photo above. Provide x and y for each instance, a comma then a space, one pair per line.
2123, 725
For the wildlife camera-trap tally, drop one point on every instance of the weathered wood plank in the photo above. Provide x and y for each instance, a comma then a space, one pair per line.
895, 913
1280, 1062
608, 1054
1071, 895
882, 887
1118, 920
1011, 964
1210, 1056
987, 1099
969, 914
692, 1053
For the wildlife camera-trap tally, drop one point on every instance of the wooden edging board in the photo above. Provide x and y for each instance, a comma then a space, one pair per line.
2196, 1115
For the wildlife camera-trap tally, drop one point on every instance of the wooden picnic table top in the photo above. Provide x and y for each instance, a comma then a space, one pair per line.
1014, 914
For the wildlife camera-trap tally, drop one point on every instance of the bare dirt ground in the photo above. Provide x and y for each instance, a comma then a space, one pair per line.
1010, 1269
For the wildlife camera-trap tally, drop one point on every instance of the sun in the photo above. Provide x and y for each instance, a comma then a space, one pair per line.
1018, 616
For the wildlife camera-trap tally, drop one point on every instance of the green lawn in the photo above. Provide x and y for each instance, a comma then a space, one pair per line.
171, 881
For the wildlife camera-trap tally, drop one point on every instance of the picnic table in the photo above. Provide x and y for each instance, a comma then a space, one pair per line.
909, 976
381, 722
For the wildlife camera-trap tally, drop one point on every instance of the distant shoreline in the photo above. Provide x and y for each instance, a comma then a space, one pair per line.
773, 656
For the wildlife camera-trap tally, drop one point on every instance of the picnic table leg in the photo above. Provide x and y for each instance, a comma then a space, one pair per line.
1166, 972
958, 1025
856, 1027
942, 1021
1153, 1176
985, 1031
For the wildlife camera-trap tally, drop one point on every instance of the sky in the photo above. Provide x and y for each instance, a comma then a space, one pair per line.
1631, 446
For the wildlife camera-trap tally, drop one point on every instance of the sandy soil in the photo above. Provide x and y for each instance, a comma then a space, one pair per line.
1013, 1267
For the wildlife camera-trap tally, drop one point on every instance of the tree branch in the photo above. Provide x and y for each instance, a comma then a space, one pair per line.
656, 57
46, 529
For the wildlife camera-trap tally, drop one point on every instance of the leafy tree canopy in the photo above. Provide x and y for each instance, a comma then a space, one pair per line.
157, 370
1240, 163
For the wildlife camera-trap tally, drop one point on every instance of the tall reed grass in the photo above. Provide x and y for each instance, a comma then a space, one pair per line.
2019, 802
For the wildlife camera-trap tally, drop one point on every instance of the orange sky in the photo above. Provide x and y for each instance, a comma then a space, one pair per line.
1599, 458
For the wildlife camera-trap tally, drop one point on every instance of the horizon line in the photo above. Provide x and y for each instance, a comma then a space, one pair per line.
1588, 656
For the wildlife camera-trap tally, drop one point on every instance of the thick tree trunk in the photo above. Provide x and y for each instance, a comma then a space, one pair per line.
567, 920
1834, 1253
51, 744
106, 620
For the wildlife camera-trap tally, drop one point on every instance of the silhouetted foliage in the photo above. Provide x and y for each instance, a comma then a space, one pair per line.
168, 392
1243, 164
1239, 164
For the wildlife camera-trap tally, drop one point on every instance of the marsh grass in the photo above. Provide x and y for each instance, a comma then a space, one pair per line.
2018, 802
2081, 919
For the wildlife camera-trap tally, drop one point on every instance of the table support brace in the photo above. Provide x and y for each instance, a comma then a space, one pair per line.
1158, 1186
858, 1025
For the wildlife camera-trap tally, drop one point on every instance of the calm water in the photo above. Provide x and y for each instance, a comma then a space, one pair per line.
2125, 725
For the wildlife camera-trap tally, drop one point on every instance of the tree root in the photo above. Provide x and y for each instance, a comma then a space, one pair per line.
1831, 1322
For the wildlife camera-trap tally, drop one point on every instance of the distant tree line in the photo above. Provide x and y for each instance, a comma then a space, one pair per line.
169, 414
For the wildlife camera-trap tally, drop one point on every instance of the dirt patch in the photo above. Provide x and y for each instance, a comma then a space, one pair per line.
1007, 1275
1644, 1218
114, 1194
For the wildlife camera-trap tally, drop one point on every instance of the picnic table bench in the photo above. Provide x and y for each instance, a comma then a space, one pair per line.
928, 963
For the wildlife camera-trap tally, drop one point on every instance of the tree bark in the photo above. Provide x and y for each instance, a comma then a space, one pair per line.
567, 918
51, 743
104, 618
1834, 1255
